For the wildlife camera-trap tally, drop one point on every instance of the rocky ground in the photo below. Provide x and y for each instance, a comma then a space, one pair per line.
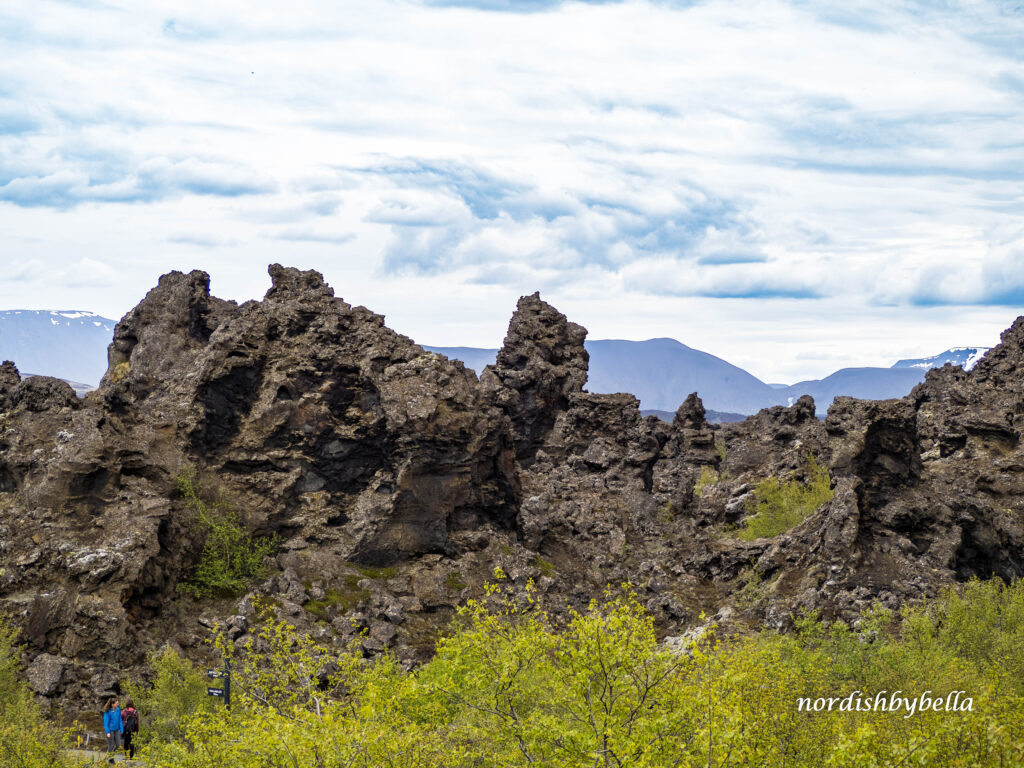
398, 481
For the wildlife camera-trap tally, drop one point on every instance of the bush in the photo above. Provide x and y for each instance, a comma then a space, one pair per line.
508, 687
778, 506
177, 692
26, 739
708, 477
11, 687
231, 558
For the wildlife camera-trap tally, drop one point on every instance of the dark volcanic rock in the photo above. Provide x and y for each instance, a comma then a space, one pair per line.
397, 482
541, 364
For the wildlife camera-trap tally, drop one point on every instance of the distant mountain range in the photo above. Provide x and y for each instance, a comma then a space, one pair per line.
963, 356
68, 344
661, 372
72, 345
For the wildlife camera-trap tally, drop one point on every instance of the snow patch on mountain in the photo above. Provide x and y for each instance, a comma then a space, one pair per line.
963, 356
68, 343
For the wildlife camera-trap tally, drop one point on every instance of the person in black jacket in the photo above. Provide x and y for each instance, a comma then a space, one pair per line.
130, 722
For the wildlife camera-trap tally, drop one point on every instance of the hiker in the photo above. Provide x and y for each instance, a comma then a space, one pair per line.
130, 721
112, 725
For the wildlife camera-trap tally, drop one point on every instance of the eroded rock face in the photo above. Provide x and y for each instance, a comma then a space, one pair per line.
316, 421
541, 364
397, 482
314, 416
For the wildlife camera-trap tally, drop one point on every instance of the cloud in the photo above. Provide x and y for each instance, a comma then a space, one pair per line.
26, 271
996, 279
510, 6
743, 280
184, 30
485, 194
311, 236
88, 273
151, 180
658, 155
16, 121
537, 6
201, 240
449, 215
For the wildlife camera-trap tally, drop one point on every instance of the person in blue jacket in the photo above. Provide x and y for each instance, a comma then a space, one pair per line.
112, 725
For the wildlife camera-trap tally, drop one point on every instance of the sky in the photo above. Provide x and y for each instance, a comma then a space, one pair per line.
793, 186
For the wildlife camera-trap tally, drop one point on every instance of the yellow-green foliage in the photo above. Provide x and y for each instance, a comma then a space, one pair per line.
708, 477
781, 505
546, 567
507, 688
377, 571
177, 690
231, 558
750, 592
27, 740
120, 371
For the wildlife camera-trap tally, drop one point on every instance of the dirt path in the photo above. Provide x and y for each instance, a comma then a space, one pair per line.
89, 757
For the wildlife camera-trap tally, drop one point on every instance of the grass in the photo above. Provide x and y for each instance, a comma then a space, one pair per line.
377, 572
708, 477
666, 512
454, 581
344, 599
780, 505
752, 590
546, 567
350, 595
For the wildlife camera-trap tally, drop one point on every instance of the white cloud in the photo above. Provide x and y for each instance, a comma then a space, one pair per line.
649, 155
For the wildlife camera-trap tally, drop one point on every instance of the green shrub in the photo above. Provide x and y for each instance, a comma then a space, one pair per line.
779, 505
708, 477
378, 571
178, 691
231, 558
11, 687
546, 567
344, 599
510, 687
454, 581
27, 740
748, 595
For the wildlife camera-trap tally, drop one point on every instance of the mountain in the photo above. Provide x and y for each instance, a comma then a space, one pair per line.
862, 383
712, 417
962, 356
660, 372
473, 357
68, 344
72, 345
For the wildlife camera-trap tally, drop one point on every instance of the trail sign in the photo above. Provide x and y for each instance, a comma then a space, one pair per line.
225, 676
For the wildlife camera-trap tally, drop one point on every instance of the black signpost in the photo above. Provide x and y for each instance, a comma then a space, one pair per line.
223, 692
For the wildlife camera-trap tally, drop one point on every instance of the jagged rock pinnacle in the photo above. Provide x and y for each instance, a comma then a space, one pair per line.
540, 364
